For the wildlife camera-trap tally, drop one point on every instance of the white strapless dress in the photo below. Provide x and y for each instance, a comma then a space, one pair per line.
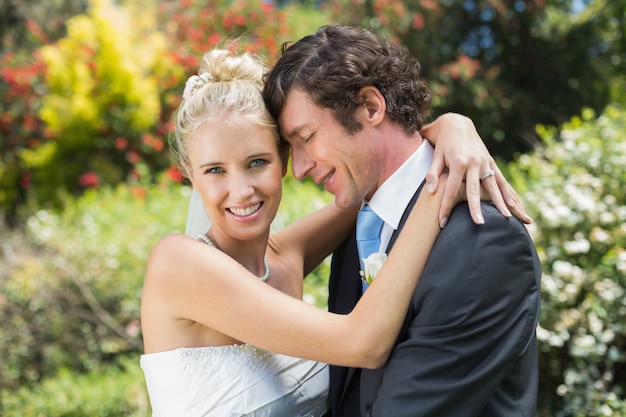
234, 380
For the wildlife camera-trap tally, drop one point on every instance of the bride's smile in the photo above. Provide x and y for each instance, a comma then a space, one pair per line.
245, 212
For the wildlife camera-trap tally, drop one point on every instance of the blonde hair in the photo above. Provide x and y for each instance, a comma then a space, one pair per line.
227, 89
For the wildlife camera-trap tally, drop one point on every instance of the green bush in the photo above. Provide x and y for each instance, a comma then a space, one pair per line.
574, 189
98, 102
114, 391
300, 198
70, 286
106, 88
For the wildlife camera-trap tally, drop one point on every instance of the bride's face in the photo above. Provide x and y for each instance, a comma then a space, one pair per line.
238, 171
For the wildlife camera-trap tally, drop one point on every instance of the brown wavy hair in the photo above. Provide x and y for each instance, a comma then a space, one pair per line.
334, 63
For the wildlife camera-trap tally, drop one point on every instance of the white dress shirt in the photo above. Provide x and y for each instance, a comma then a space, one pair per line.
392, 198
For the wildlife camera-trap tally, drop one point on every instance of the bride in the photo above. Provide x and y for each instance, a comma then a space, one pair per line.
222, 318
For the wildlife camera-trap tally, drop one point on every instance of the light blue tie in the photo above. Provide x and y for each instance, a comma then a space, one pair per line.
368, 227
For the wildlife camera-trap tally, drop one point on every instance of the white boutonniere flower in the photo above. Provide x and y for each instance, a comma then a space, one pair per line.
372, 265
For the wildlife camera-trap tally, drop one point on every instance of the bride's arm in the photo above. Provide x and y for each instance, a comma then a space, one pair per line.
205, 285
315, 236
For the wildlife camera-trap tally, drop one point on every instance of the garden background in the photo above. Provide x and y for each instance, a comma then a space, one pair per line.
88, 186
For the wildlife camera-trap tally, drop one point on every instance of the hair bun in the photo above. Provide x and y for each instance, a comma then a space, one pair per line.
194, 82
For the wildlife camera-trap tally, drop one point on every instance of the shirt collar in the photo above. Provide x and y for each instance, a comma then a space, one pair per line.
391, 199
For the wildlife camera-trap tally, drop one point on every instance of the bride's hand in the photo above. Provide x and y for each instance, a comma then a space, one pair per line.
459, 148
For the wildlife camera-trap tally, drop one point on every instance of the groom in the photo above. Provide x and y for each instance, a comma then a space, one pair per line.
351, 106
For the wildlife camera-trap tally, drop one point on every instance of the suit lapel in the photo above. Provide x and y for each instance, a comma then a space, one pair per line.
344, 292
405, 216
395, 235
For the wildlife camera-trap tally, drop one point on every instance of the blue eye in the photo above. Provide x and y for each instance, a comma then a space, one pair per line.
214, 170
257, 163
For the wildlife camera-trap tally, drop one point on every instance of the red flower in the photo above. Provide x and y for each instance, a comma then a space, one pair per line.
36, 30
29, 122
227, 22
240, 20
132, 157
146, 139
195, 34
138, 191
267, 6
158, 145
418, 21
121, 143
25, 179
174, 174
89, 179
5, 118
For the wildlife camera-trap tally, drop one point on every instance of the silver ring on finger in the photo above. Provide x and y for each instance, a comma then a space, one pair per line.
489, 173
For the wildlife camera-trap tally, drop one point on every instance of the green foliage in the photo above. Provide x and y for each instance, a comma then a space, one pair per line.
92, 108
20, 128
195, 26
113, 391
509, 64
610, 19
21, 21
574, 189
299, 199
70, 287
304, 20
95, 107
102, 100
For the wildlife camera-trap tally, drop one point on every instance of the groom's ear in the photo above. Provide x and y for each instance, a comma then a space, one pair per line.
374, 106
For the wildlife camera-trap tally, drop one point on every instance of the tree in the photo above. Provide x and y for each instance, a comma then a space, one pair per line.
15, 16
609, 55
95, 106
508, 64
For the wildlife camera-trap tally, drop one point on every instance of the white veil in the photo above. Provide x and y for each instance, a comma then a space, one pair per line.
198, 221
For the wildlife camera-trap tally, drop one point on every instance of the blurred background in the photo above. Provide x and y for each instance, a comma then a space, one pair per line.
88, 185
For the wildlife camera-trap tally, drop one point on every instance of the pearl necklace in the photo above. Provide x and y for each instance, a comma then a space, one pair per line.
265, 276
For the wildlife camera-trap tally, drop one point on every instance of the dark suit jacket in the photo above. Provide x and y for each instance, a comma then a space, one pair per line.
344, 291
468, 345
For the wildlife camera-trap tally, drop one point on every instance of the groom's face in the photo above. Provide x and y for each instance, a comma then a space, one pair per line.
322, 149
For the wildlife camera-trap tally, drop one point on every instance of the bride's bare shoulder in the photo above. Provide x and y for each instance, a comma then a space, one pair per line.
177, 242
171, 252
